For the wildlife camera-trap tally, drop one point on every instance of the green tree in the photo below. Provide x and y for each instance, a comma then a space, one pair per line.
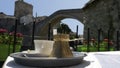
63, 28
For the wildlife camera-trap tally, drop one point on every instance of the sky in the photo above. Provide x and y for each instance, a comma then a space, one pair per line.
48, 7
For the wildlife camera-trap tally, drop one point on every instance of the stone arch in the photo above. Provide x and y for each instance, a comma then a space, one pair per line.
56, 17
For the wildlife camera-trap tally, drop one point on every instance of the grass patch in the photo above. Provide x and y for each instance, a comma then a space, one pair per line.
5, 50
83, 48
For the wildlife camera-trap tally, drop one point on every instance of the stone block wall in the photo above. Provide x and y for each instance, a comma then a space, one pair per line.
100, 14
7, 23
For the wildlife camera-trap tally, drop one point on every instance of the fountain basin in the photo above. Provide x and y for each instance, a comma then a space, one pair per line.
40, 60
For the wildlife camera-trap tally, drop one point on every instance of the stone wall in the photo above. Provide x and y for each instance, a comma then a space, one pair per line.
7, 21
100, 14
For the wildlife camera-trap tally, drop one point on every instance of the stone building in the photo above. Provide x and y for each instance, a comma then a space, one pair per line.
22, 9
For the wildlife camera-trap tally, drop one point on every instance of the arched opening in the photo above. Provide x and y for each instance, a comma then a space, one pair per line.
76, 30
75, 26
72, 23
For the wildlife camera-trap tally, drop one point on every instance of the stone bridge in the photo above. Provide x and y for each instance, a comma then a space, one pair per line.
95, 14
55, 18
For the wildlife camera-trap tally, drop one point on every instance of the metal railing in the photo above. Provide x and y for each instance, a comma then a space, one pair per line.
115, 43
